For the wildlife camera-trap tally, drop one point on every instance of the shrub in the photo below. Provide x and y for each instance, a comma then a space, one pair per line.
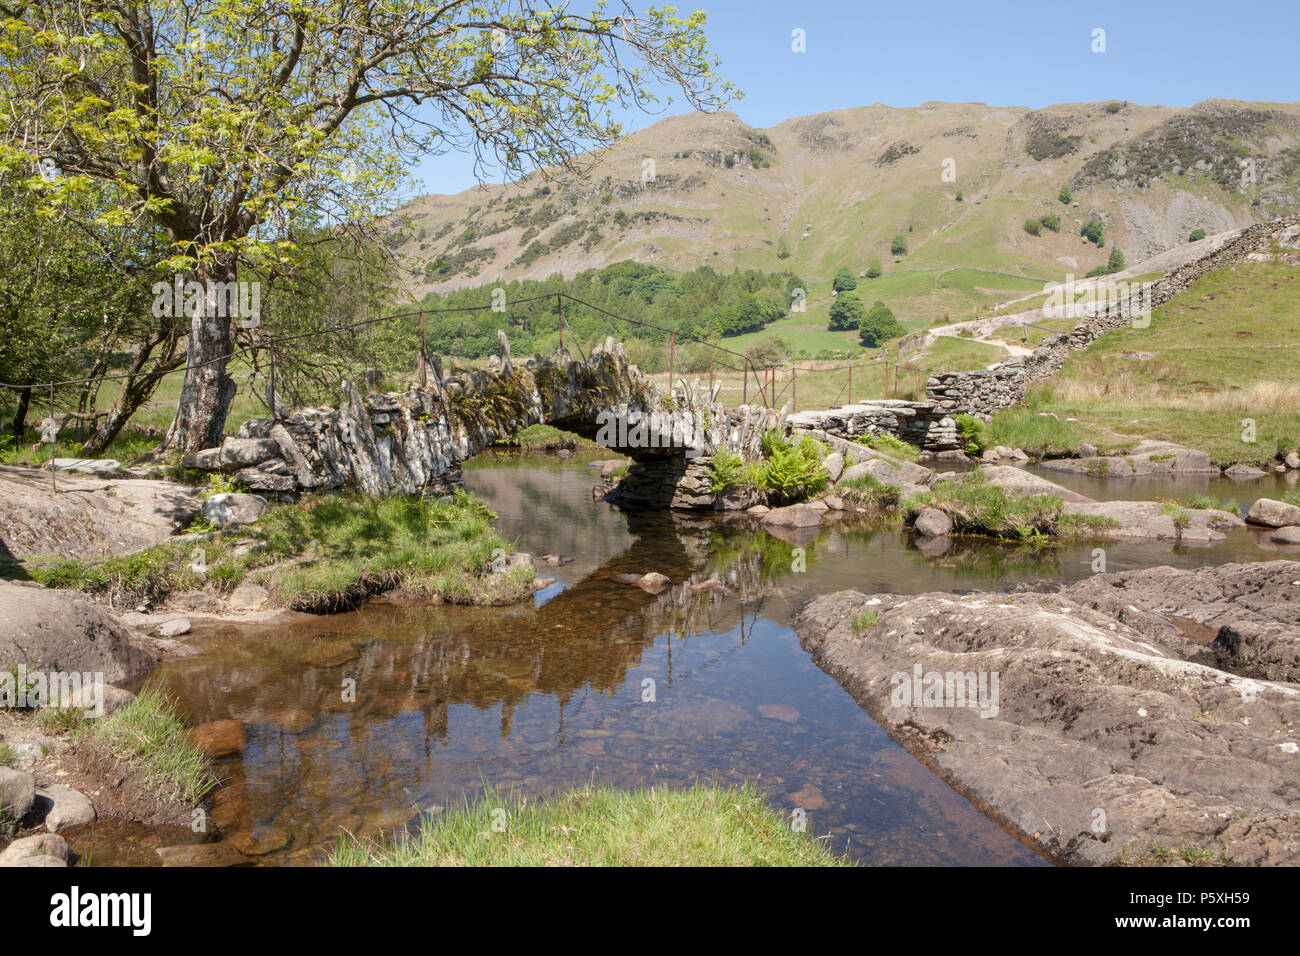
844, 281
1114, 106
725, 471
878, 326
1065, 196
1051, 221
768, 351
898, 245
846, 312
873, 268
1092, 231
1196, 236
1034, 226
791, 472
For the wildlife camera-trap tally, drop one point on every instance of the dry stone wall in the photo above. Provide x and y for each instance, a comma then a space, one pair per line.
982, 392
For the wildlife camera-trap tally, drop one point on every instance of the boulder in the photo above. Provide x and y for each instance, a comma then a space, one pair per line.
793, 516
1286, 535
200, 854
834, 465
653, 582
931, 523
1023, 482
86, 697
249, 596
88, 466
228, 509
58, 631
45, 845
175, 627
1147, 520
259, 480
1293, 459
1272, 513
63, 807
17, 793
1241, 472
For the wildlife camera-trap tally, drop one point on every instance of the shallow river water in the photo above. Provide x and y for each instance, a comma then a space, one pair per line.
542, 696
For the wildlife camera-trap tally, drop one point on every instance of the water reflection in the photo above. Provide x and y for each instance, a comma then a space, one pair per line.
540, 697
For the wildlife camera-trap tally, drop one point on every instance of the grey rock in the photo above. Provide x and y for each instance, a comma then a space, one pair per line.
224, 510
931, 523
45, 845
67, 808
175, 627
1272, 513
86, 698
249, 596
88, 466
792, 516
1290, 534
58, 631
246, 452
17, 793
834, 465
1243, 472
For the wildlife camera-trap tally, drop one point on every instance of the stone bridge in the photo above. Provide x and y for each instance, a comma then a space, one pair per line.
416, 441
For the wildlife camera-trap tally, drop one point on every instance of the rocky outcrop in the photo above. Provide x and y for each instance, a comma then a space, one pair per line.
88, 517
1146, 458
1085, 718
1153, 521
923, 424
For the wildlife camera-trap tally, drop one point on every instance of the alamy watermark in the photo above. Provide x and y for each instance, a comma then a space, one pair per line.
977, 690
36, 689
651, 430
230, 300
1066, 300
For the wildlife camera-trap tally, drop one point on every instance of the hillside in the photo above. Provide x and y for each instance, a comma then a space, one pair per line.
816, 193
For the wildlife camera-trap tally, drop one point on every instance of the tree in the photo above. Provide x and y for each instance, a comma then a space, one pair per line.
898, 245
844, 281
879, 326
1033, 226
1116, 261
227, 122
846, 312
873, 268
1065, 195
1092, 231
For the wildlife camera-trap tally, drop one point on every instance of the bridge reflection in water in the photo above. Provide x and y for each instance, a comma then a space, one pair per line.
540, 697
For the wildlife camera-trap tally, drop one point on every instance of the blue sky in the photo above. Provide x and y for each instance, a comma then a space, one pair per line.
1004, 53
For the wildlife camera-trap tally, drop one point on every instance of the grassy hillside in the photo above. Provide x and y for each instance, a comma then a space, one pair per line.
1215, 356
817, 193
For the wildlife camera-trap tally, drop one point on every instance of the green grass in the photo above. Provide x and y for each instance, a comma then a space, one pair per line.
1213, 357
8, 756
326, 553
547, 438
887, 443
866, 618
149, 730
1292, 497
704, 825
950, 353
976, 507
1080, 527
1043, 435
868, 491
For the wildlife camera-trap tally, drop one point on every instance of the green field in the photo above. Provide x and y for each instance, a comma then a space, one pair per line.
1215, 358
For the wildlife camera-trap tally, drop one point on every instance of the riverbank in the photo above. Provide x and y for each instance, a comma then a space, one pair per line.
702, 825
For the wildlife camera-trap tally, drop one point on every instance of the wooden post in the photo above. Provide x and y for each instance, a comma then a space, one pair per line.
54, 484
850, 397
710, 379
794, 390
424, 357
559, 310
270, 394
744, 378
672, 358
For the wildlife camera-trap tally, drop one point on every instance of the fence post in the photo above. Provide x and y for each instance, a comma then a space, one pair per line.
850, 397
794, 390
424, 358
54, 484
559, 311
744, 379
270, 393
672, 358
710, 379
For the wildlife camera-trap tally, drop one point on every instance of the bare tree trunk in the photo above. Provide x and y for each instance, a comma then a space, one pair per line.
20, 416
208, 391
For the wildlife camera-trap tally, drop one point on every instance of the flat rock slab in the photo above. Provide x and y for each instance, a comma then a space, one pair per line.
1094, 738
89, 517
1010, 478
1147, 520
88, 466
1148, 458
